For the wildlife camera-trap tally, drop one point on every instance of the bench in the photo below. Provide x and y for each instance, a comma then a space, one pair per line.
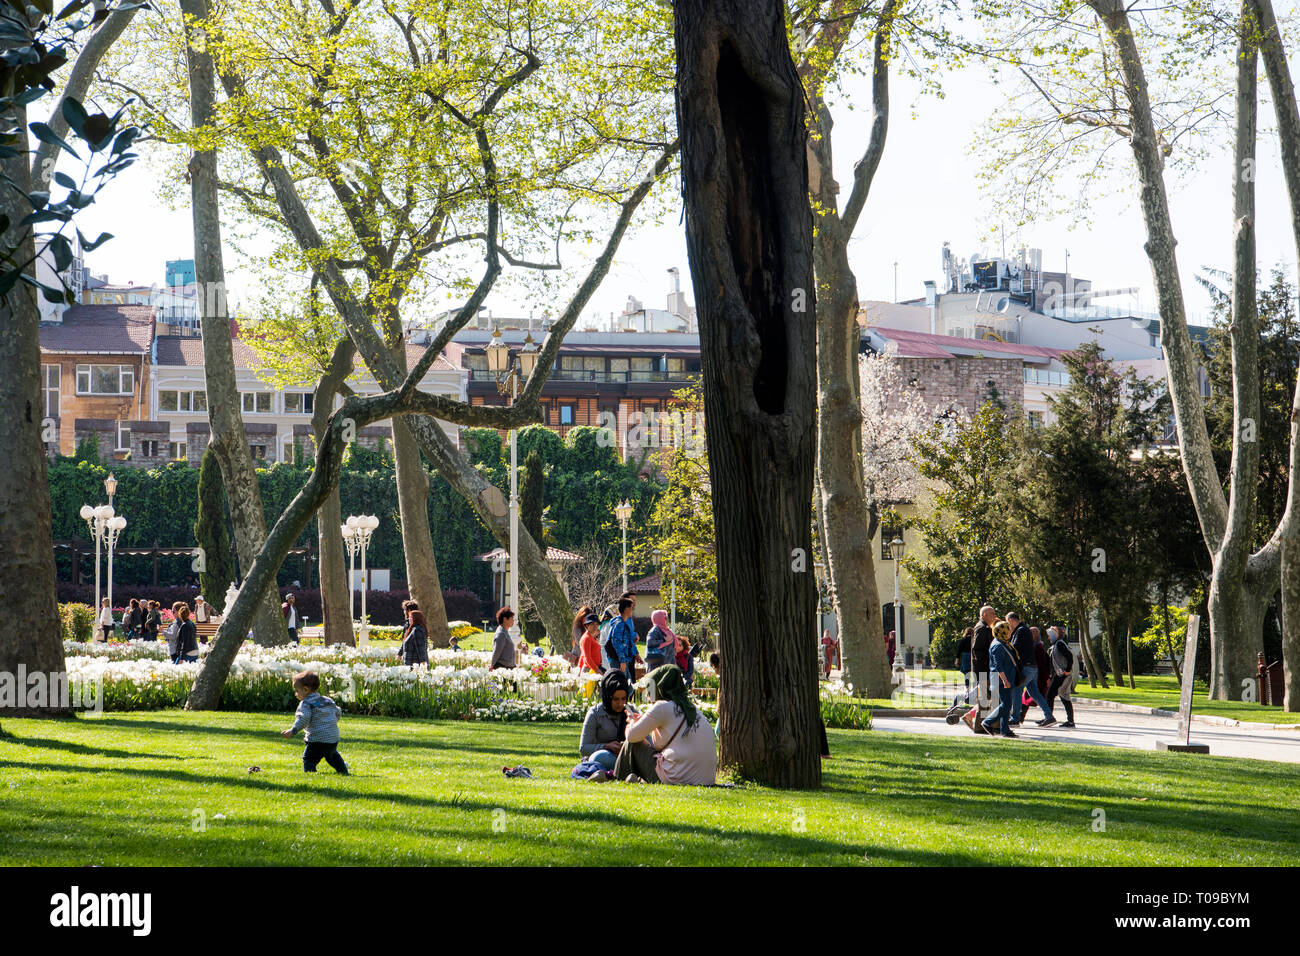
206, 630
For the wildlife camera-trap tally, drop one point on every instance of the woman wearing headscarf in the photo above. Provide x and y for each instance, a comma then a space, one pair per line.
672, 741
415, 646
660, 642
605, 728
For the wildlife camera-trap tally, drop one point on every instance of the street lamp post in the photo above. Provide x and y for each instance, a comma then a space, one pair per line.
100, 522
896, 550
356, 534
623, 512
509, 375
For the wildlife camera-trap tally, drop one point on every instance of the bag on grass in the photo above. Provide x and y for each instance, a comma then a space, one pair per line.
586, 769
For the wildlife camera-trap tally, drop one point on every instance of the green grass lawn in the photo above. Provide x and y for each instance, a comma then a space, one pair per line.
1162, 691
123, 789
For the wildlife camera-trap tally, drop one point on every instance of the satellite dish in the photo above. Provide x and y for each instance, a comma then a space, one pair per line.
1002, 305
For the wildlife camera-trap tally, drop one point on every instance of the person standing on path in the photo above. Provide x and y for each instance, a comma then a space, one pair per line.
1063, 678
981, 645
1022, 639
1002, 662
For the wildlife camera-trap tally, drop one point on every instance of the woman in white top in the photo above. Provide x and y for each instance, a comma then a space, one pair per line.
671, 742
105, 620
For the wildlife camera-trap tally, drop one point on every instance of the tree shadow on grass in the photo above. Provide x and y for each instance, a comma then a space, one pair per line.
69, 746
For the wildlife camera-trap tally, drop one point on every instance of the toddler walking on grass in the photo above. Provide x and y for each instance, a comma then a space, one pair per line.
319, 716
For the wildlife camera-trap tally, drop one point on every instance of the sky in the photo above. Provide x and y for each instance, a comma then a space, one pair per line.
926, 192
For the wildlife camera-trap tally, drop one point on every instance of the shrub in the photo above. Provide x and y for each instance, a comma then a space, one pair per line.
77, 621
943, 649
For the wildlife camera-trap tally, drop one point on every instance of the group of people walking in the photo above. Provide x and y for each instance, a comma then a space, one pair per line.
1005, 662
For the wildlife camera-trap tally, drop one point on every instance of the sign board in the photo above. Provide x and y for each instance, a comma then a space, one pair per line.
380, 579
1189, 679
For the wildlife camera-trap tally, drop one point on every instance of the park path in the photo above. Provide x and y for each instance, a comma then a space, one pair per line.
1109, 728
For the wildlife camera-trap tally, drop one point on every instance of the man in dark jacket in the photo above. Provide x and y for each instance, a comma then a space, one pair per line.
1022, 640
979, 662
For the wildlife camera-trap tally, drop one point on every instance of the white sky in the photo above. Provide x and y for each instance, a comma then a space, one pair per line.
925, 192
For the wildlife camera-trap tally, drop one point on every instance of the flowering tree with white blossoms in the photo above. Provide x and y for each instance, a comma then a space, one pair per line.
894, 414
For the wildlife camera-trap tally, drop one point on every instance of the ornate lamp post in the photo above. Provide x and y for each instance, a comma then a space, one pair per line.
98, 519
896, 550
623, 511
356, 535
508, 375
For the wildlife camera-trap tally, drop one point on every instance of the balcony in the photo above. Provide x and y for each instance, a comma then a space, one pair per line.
1035, 376
594, 375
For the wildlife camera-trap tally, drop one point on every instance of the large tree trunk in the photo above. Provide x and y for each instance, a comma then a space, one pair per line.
335, 588
29, 615
1233, 613
749, 241
229, 442
1288, 534
417, 540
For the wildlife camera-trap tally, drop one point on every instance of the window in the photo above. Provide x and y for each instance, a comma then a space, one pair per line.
298, 403
1036, 420
888, 532
618, 366
566, 414
149, 448
476, 363
258, 452
123, 438
257, 403
174, 401
105, 380
676, 365
50, 390
176, 450
642, 369
593, 365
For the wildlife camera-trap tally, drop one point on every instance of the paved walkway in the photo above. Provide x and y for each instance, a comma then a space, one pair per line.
1109, 728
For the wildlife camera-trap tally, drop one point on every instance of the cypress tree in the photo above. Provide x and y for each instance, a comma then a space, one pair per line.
212, 534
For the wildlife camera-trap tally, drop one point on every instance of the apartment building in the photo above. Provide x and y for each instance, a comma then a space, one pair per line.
274, 419
95, 379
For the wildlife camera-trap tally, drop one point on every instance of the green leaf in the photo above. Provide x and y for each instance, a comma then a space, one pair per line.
76, 115
46, 135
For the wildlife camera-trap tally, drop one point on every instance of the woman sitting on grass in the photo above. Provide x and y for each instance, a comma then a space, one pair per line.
672, 741
605, 728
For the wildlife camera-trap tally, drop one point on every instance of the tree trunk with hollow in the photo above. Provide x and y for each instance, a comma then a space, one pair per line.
749, 240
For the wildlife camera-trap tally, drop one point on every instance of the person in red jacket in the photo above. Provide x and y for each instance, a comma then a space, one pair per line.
589, 645
890, 645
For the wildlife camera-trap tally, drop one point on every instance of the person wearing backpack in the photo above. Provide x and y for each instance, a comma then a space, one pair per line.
1062, 659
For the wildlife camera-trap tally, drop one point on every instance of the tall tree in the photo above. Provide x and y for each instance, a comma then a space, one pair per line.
968, 559
35, 47
217, 572
417, 135
1108, 90
532, 491
335, 588
848, 519
749, 241
228, 442
1287, 113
